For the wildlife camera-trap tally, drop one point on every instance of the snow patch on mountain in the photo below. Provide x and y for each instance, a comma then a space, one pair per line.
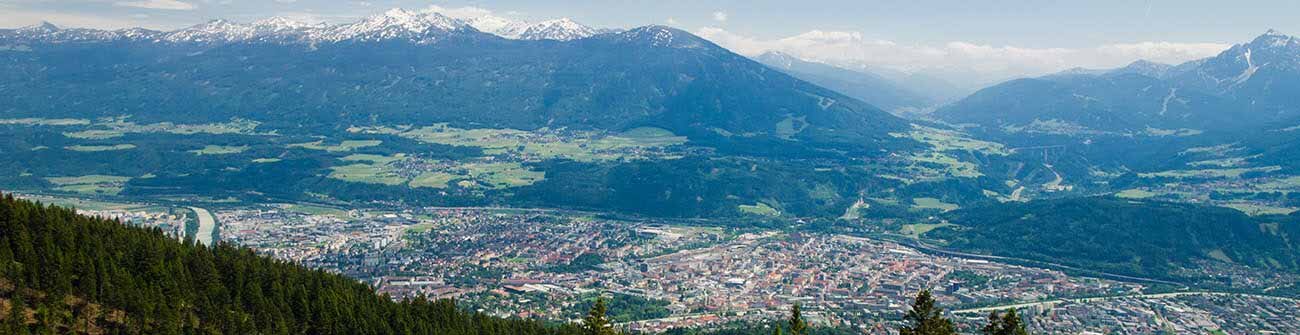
563, 29
423, 26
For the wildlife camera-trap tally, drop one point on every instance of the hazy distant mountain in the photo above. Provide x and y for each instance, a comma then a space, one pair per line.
563, 29
559, 30
404, 67
867, 87
1248, 85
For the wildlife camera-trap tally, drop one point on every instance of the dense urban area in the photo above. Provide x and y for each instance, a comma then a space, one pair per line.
549, 264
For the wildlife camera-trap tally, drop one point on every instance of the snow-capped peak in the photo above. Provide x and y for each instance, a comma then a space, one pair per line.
1273, 39
423, 26
281, 24
214, 31
562, 29
397, 23
497, 25
40, 28
778, 59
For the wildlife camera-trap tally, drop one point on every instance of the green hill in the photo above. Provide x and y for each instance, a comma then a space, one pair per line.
1140, 238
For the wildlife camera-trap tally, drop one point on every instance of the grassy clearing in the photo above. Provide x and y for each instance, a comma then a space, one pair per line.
98, 148
932, 204
759, 209
791, 126
1208, 173
951, 140
855, 211
503, 175
1136, 194
376, 169
366, 173
949, 166
544, 143
348, 145
1253, 209
916, 230
94, 134
118, 126
45, 122
433, 180
420, 228
219, 150
90, 184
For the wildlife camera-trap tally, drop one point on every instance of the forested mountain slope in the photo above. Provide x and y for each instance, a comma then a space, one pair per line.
69, 273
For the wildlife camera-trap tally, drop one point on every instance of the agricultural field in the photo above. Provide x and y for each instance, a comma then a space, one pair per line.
219, 150
542, 144
99, 148
401, 169
118, 126
916, 230
90, 184
372, 169
1136, 193
343, 146
932, 204
952, 140
45, 122
1208, 173
760, 209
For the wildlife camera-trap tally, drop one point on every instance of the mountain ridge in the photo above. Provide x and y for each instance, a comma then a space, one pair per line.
1248, 85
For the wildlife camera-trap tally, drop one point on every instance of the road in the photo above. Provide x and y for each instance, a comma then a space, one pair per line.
207, 226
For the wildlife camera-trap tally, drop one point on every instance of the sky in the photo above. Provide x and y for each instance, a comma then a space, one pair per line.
983, 40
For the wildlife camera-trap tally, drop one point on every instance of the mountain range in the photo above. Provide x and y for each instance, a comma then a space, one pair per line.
1250, 85
285, 29
423, 67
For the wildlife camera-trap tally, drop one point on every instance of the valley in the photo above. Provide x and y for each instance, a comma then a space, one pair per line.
529, 170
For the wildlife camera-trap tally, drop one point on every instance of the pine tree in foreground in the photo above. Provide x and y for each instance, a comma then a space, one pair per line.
797, 325
596, 322
1006, 324
925, 318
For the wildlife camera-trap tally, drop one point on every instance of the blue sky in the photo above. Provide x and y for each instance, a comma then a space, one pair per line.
989, 36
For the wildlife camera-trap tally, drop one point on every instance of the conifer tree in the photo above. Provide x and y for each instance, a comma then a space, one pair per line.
797, 325
596, 323
1006, 324
16, 320
925, 318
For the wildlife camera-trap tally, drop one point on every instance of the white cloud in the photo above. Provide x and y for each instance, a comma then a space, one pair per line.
990, 62
671, 21
467, 12
14, 18
157, 4
1164, 52
720, 16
